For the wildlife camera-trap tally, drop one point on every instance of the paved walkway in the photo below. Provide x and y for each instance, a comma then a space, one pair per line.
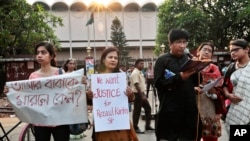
148, 136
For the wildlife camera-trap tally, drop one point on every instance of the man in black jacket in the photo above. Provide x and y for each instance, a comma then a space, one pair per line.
178, 118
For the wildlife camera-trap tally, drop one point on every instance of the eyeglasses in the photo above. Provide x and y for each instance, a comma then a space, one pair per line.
235, 49
206, 50
179, 43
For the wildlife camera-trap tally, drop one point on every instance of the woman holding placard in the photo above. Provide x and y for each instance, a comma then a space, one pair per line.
76, 130
109, 63
45, 56
211, 126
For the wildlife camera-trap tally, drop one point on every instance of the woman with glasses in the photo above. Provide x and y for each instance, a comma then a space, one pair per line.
237, 84
70, 65
211, 126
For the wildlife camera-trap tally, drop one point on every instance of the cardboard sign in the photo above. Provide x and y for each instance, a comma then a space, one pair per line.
50, 101
110, 103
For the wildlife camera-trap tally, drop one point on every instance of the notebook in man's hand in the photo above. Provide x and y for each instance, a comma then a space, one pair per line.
194, 65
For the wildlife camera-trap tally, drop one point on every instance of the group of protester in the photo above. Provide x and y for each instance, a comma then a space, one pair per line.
186, 112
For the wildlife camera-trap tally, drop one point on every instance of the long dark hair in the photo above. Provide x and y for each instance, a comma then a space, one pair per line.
101, 66
65, 67
50, 48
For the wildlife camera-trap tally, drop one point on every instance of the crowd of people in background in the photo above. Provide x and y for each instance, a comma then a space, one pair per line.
186, 112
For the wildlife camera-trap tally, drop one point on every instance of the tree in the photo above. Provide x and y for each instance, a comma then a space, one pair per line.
228, 20
118, 39
179, 14
23, 25
206, 20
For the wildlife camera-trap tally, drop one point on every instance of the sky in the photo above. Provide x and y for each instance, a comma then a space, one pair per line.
104, 2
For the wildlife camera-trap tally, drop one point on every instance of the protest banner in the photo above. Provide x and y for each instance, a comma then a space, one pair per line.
55, 100
110, 110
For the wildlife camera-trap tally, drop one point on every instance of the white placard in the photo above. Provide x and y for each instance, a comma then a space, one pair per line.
211, 84
55, 100
110, 110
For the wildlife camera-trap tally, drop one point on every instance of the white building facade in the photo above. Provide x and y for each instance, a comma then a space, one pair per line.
138, 18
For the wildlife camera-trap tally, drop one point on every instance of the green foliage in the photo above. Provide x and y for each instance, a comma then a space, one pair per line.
206, 20
118, 39
23, 25
229, 20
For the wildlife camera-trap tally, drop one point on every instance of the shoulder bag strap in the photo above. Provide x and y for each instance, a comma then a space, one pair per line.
60, 71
